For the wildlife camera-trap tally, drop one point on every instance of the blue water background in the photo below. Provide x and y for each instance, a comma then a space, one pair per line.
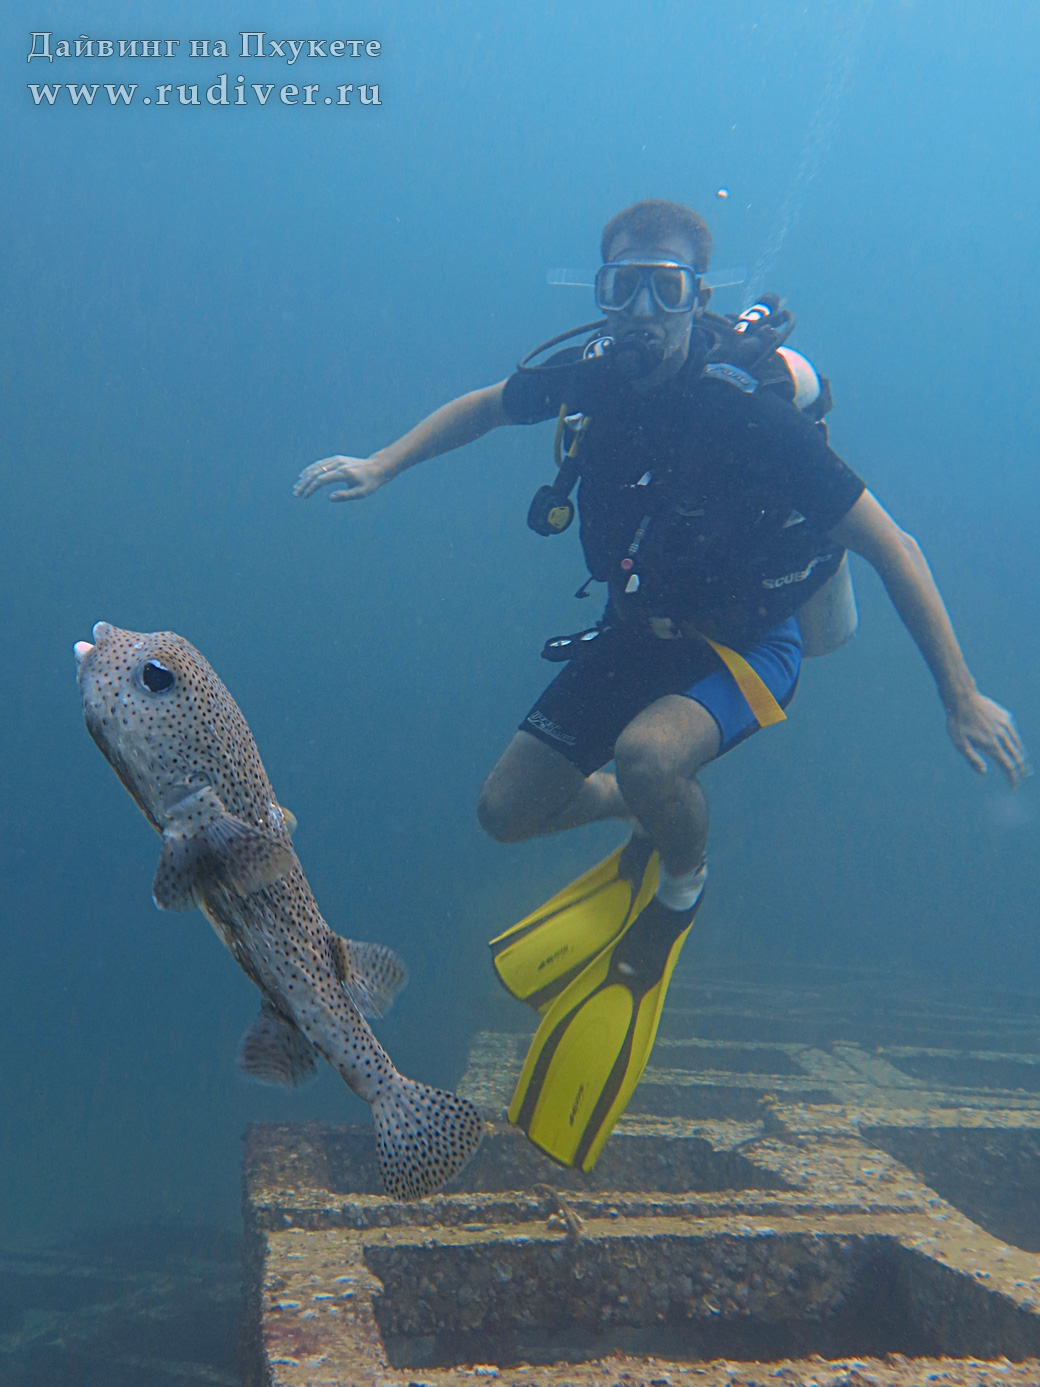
197, 302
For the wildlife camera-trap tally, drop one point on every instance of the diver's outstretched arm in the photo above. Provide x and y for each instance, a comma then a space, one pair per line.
459, 422
978, 727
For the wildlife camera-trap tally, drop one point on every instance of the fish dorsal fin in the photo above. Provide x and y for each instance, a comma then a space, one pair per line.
372, 974
203, 844
274, 1051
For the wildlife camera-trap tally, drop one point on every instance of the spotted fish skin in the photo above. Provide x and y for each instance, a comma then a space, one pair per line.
180, 745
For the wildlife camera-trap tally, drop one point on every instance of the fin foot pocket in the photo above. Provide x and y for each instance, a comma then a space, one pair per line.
424, 1136
540, 956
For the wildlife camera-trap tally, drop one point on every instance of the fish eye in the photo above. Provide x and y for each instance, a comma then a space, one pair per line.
156, 677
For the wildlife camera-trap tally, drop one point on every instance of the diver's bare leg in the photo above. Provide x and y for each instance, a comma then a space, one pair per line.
533, 790
658, 757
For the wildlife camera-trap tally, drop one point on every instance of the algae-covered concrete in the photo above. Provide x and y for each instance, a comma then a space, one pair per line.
771, 1210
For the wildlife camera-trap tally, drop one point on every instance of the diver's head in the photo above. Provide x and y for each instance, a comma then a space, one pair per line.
649, 286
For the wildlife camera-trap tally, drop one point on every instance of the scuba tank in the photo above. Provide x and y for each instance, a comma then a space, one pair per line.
829, 618
761, 332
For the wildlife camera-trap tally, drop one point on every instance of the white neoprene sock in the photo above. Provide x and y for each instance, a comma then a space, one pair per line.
682, 892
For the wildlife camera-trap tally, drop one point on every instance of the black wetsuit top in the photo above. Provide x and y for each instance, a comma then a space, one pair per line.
734, 492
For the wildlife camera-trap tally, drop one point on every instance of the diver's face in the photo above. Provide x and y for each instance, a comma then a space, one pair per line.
644, 313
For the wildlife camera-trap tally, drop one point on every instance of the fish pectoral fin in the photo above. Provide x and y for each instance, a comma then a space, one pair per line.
274, 1051
187, 807
203, 843
291, 821
250, 858
372, 975
174, 884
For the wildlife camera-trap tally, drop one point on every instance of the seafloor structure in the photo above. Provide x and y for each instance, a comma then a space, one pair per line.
825, 1178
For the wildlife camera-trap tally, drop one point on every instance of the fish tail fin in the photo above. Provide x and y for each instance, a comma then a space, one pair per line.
424, 1136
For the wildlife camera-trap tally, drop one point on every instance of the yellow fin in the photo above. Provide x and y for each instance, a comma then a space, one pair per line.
537, 958
592, 1046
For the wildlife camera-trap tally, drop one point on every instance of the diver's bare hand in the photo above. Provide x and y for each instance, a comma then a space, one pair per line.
982, 730
361, 476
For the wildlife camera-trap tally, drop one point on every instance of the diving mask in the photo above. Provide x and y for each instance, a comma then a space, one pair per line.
673, 285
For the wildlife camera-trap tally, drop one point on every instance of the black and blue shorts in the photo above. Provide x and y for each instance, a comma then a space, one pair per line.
614, 677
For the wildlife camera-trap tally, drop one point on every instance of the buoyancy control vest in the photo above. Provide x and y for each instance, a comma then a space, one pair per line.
748, 352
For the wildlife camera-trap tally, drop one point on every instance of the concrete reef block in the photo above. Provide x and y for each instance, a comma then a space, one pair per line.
825, 1249
825, 1180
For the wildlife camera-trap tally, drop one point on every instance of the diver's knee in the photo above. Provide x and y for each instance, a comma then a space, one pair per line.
645, 764
500, 815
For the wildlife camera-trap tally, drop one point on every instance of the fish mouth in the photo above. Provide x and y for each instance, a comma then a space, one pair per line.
84, 648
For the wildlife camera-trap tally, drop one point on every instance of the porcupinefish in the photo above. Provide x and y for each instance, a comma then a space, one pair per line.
178, 742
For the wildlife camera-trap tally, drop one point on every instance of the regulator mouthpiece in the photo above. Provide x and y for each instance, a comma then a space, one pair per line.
636, 354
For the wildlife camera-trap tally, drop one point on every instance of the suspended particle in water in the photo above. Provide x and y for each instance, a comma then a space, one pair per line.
723, 193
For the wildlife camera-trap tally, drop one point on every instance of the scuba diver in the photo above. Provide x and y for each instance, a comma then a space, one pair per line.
715, 511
